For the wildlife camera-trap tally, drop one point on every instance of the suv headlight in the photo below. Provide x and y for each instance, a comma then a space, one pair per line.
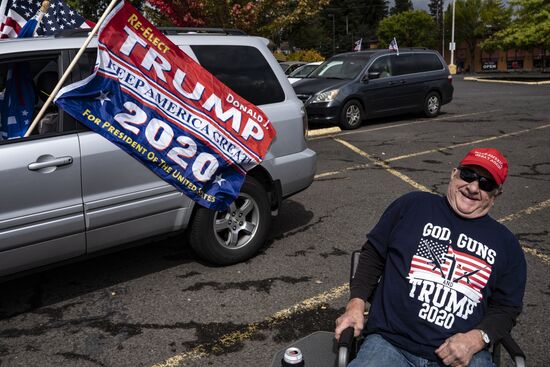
327, 96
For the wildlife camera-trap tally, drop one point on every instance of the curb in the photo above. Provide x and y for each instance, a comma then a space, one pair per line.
484, 80
327, 131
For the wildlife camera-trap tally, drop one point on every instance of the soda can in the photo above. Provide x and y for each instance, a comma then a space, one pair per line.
293, 358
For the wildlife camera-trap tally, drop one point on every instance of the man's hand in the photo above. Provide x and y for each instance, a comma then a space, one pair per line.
458, 350
354, 317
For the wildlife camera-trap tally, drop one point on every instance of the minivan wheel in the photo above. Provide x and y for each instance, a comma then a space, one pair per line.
432, 104
231, 236
351, 116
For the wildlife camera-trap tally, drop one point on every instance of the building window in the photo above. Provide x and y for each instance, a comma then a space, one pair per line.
514, 59
541, 58
489, 61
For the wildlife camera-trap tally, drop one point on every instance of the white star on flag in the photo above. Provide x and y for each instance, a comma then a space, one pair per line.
103, 96
219, 179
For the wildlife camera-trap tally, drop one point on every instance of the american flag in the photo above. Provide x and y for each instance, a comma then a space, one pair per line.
15, 13
441, 261
357, 45
393, 46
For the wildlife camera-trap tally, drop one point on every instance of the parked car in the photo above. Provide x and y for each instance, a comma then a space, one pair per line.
303, 71
289, 66
67, 192
350, 87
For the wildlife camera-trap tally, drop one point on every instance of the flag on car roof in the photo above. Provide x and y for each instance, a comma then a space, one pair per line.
393, 46
357, 46
16, 13
160, 106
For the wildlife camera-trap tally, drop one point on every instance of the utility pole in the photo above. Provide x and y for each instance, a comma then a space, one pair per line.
333, 34
452, 46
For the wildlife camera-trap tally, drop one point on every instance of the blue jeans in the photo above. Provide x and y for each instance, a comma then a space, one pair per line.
377, 352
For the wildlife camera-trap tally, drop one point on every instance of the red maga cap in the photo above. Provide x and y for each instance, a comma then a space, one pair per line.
490, 159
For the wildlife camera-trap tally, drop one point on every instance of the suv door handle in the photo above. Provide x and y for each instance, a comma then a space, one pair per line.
402, 81
57, 162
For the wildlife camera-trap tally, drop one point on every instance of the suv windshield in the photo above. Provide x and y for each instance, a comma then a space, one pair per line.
347, 67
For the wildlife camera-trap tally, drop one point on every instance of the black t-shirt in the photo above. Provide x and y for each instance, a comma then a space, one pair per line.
440, 271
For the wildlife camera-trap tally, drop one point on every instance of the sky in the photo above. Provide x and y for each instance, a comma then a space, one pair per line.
418, 4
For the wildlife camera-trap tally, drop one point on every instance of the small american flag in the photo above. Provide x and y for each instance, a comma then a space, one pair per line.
59, 17
357, 45
442, 261
393, 46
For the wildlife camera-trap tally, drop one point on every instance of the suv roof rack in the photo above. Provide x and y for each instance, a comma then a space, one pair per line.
169, 31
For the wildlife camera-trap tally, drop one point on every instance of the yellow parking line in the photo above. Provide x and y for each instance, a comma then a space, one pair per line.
384, 165
521, 213
467, 143
386, 127
233, 338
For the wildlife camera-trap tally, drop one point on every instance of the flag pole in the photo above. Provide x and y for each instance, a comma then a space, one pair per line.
43, 10
70, 68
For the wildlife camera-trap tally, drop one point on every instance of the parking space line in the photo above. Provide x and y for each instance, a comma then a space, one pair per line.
384, 165
351, 168
230, 339
401, 124
521, 213
467, 143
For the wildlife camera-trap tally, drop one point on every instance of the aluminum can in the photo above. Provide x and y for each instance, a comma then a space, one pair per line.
293, 358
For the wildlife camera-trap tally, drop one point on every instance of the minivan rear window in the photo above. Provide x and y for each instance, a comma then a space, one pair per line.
427, 62
243, 69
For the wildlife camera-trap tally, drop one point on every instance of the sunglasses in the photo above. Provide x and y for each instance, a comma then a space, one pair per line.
469, 175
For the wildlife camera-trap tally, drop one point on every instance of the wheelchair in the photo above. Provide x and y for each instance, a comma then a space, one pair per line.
320, 349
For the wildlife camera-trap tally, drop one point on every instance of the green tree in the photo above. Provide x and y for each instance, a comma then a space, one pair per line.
530, 27
411, 29
93, 10
402, 6
475, 20
353, 19
436, 11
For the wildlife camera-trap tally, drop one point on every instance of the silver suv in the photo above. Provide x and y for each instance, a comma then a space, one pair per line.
67, 192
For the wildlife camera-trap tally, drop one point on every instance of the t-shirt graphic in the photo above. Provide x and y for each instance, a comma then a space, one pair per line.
440, 263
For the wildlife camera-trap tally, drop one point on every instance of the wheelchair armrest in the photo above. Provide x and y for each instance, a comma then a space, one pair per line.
513, 350
345, 345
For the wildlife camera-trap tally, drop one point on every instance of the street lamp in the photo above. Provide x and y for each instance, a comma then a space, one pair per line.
333, 33
452, 45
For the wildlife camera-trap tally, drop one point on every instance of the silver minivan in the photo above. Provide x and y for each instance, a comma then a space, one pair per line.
66, 192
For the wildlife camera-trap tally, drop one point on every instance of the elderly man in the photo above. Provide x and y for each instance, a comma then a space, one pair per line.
448, 279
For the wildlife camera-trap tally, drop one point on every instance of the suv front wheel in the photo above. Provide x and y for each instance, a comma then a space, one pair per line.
351, 116
236, 234
432, 104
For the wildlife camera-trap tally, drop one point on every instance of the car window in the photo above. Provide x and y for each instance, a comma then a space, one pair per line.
248, 73
303, 71
25, 85
381, 65
402, 64
427, 62
340, 68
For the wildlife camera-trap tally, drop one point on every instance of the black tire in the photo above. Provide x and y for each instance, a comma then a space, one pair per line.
432, 104
235, 235
351, 116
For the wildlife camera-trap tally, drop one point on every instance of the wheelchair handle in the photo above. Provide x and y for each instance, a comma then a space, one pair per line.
344, 346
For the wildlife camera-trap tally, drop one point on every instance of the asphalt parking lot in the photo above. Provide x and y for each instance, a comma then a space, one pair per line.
158, 305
